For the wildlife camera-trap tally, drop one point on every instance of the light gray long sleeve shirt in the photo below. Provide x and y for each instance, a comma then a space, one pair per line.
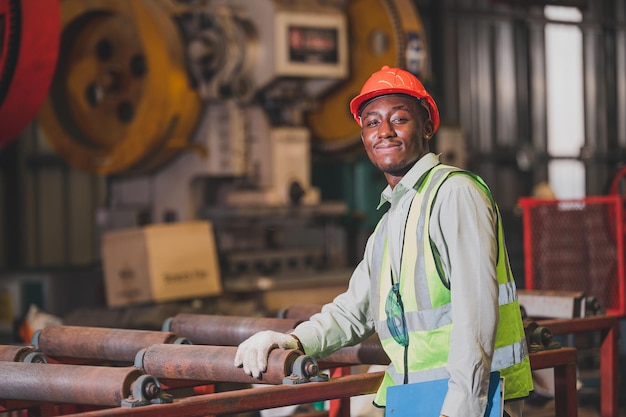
463, 228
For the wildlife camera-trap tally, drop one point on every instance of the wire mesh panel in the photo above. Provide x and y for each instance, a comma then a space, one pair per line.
576, 245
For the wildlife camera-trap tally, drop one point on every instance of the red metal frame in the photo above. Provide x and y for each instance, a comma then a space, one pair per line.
615, 183
609, 327
616, 202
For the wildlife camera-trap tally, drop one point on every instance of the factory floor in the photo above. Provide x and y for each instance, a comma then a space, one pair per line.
584, 410
588, 398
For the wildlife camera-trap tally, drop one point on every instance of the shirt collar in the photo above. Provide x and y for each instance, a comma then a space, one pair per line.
409, 180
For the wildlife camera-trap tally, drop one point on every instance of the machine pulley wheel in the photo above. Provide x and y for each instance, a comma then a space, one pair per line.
382, 32
29, 42
120, 101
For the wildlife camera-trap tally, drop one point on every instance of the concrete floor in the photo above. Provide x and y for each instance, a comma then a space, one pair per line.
588, 405
547, 410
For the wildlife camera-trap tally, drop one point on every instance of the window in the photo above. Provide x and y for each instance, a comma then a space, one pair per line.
565, 118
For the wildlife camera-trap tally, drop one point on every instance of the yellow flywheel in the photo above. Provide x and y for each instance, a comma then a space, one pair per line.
120, 101
382, 32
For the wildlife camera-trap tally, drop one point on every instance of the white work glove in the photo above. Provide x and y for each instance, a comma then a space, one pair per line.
253, 352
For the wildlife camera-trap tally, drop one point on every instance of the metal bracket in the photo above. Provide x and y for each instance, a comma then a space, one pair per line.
305, 369
540, 338
139, 358
35, 357
146, 391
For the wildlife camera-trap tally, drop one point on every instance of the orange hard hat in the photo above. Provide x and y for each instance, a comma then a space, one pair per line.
393, 81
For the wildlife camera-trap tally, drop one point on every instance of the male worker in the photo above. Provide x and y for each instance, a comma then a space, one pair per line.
435, 280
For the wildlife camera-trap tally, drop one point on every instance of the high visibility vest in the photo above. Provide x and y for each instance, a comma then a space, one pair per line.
426, 298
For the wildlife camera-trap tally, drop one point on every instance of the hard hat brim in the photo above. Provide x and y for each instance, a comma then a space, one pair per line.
358, 103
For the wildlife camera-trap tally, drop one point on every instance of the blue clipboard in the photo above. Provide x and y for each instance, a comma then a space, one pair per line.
426, 398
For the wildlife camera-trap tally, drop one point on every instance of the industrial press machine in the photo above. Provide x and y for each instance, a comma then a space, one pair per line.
211, 110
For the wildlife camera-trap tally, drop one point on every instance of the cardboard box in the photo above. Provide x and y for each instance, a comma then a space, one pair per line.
159, 263
552, 304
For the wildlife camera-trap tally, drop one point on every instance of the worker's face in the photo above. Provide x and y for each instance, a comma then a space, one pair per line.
395, 132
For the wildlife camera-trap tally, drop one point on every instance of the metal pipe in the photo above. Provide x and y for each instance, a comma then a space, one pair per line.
240, 401
61, 383
98, 343
206, 329
369, 352
215, 363
217, 330
19, 353
301, 311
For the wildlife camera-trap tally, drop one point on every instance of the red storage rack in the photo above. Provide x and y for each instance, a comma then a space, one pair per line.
577, 245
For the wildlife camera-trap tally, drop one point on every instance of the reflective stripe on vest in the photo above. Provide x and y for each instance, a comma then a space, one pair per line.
426, 296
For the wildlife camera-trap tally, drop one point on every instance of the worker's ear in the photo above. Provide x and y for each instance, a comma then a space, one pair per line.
428, 129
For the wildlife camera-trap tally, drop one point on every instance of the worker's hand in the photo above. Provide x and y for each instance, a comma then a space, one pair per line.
253, 352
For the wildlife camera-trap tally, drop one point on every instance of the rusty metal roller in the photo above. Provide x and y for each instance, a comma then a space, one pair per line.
301, 311
215, 364
369, 352
77, 384
206, 329
98, 343
121, 101
17, 353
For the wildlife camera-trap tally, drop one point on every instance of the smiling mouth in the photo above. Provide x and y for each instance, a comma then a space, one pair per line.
387, 147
